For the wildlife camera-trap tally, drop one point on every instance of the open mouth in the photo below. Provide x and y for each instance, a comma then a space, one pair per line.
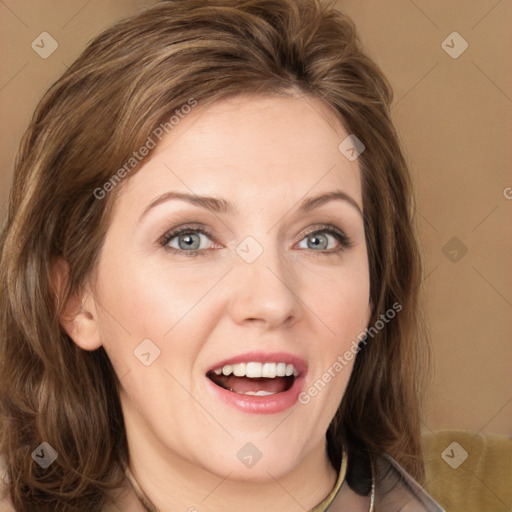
255, 378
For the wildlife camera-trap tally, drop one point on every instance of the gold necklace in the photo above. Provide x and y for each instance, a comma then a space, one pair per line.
139, 492
149, 507
372, 497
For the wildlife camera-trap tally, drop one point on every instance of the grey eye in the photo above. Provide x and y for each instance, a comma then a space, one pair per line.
187, 241
317, 240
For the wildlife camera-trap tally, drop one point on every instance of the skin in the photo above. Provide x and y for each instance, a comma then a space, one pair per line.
265, 155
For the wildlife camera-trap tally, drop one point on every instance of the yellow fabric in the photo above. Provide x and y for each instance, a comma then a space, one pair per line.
481, 483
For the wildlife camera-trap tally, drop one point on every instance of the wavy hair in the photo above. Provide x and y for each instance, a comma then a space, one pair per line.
127, 82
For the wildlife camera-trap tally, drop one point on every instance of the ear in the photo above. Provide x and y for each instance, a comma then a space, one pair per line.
78, 316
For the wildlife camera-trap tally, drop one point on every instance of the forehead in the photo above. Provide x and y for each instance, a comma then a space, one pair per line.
273, 148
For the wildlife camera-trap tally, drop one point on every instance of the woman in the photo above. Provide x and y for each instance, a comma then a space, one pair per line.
209, 276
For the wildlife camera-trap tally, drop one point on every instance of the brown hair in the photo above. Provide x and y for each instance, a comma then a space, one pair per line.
128, 81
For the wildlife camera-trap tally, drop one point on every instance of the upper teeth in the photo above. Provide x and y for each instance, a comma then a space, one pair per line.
255, 370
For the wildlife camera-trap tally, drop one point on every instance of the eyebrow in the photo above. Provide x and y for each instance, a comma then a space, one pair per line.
218, 205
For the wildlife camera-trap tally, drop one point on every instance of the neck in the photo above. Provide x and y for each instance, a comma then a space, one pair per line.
172, 483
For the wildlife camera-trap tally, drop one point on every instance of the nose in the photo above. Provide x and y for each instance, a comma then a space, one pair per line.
265, 292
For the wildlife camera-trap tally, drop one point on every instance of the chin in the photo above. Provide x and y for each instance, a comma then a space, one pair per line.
255, 457
264, 470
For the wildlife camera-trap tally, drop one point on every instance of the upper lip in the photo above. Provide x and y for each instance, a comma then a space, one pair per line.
264, 357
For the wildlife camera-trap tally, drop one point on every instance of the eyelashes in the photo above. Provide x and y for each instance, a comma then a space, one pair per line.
192, 238
181, 231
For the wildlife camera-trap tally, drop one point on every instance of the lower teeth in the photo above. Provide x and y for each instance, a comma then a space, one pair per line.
254, 393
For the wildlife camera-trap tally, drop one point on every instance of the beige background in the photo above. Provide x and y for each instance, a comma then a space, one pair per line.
454, 117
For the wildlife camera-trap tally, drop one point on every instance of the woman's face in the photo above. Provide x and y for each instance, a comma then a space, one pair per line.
269, 277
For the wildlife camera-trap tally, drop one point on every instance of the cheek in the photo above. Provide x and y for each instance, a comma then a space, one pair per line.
156, 302
151, 298
341, 301
343, 309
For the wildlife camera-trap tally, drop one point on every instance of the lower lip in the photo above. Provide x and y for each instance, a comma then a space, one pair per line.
269, 404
